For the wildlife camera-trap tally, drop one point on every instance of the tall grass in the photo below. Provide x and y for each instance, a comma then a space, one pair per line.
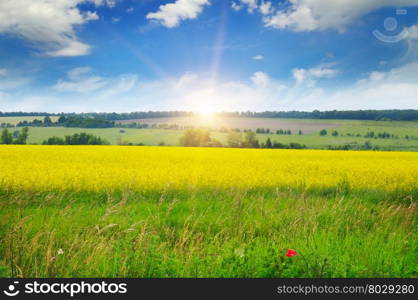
205, 233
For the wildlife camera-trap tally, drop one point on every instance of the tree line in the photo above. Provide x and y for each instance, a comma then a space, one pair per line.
68, 121
76, 139
383, 115
18, 137
369, 135
235, 139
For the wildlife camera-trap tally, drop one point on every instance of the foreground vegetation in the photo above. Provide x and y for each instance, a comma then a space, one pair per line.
117, 211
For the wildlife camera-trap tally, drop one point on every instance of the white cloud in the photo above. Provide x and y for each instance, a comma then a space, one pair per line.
118, 86
48, 25
13, 83
260, 79
77, 73
376, 76
258, 57
10, 80
81, 80
390, 89
413, 32
300, 75
265, 8
235, 6
115, 20
322, 72
251, 5
186, 80
310, 76
407, 73
171, 14
395, 88
197, 92
309, 15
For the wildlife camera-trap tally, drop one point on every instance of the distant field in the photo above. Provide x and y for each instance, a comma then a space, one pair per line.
311, 139
15, 120
307, 126
113, 135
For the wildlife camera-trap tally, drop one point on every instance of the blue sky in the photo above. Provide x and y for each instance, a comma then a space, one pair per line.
208, 55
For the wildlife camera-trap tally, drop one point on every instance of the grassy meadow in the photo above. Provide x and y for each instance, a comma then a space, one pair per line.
310, 138
15, 120
117, 211
347, 129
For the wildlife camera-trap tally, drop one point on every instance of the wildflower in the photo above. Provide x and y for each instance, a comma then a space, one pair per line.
239, 252
291, 253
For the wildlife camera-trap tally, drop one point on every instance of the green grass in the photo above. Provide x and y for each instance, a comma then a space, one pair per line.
147, 136
198, 233
311, 140
15, 120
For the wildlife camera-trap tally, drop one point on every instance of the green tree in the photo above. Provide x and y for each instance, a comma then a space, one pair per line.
6, 137
250, 140
47, 121
234, 139
62, 119
195, 138
323, 132
269, 144
22, 136
215, 143
54, 141
76, 139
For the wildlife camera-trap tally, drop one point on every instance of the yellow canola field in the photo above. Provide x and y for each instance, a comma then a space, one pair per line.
104, 168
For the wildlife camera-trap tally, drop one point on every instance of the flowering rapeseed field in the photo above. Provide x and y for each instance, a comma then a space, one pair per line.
155, 168
113, 211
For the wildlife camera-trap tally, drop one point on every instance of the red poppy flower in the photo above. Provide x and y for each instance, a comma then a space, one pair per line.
291, 253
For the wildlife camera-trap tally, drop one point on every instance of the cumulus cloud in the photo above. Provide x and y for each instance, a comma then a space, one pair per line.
264, 7
260, 79
258, 57
48, 25
413, 32
395, 88
389, 89
310, 76
309, 15
235, 6
171, 14
251, 5
197, 92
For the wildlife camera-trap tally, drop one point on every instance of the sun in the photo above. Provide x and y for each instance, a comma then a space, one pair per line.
206, 111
